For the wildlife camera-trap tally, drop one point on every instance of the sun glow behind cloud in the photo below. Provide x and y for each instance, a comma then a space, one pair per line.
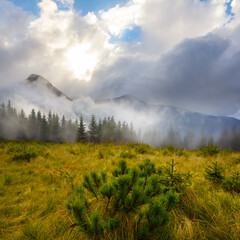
82, 61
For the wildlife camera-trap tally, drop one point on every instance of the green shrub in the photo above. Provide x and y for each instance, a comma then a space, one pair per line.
210, 150
214, 172
180, 153
173, 180
142, 148
102, 205
232, 183
170, 148
126, 154
237, 161
23, 152
24, 156
7, 180
100, 154
166, 153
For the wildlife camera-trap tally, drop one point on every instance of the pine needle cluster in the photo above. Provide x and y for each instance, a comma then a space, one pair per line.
143, 195
215, 174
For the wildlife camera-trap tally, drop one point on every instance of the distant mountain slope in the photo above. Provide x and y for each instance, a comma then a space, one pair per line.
40, 81
180, 119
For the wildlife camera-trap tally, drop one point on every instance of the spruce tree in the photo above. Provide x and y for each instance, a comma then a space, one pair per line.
63, 129
32, 125
55, 128
2, 119
22, 130
39, 120
44, 130
99, 131
93, 131
81, 132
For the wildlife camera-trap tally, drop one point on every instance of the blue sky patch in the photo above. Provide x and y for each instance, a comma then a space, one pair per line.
229, 8
29, 6
129, 35
95, 5
84, 6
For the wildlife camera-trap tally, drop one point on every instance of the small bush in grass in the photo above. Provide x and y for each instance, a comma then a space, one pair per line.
142, 148
170, 148
126, 154
180, 153
174, 180
103, 203
232, 183
166, 153
7, 180
210, 150
214, 172
24, 156
100, 154
23, 152
237, 161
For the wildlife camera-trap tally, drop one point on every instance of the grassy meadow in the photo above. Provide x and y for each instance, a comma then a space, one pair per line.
36, 180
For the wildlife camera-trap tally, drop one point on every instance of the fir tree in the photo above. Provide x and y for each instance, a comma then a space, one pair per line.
81, 132
44, 130
99, 131
93, 131
22, 129
32, 126
2, 119
55, 128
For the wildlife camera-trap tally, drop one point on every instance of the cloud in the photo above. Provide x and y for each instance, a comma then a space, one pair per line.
167, 23
116, 20
197, 74
236, 10
45, 45
189, 55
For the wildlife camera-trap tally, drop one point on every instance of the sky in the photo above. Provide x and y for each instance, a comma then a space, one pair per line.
184, 53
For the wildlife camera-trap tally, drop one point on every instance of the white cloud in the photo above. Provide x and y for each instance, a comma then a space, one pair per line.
236, 10
65, 47
168, 22
116, 20
53, 45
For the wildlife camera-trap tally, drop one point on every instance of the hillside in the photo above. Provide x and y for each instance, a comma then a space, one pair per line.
37, 179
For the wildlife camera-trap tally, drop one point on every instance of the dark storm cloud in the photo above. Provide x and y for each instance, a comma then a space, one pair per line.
196, 74
189, 75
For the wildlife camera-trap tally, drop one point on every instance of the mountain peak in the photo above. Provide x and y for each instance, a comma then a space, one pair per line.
39, 80
33, 77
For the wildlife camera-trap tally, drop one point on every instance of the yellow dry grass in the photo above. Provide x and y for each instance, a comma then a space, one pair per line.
32, 194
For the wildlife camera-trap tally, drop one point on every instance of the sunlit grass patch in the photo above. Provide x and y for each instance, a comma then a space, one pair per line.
33, 193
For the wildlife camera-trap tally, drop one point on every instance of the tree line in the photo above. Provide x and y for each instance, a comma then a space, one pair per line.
193, 140
52, 128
